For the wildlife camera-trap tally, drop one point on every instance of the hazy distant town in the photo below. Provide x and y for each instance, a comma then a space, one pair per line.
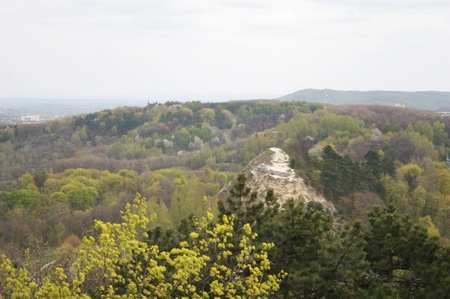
19, 111
15, 116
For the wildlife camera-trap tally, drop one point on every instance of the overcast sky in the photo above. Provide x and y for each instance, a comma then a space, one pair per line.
247, 49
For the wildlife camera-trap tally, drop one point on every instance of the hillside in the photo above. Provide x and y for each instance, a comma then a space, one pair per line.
271, 170
56, 178
146, 138
423, 100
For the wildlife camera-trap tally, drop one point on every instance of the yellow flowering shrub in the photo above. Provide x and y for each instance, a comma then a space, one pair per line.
119, 264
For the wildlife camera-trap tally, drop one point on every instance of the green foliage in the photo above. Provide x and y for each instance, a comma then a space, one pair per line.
80, 196
298, 233
411, 173
129, 174
54, 183
423, 145
117, 264
315, 205
40, 178
428, 224
391, 258
21, 197
207, 114
242, 203
256, 145
331, 123
173, 195
439, 133
27, 181
338, 174
399, 252
7, 134
131, 133
425, 129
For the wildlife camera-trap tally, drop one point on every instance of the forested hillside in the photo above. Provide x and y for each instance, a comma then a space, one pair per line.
57, 177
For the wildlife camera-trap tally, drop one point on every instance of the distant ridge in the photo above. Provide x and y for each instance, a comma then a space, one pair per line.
423, 100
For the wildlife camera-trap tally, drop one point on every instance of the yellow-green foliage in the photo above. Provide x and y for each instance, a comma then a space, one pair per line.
118, 264
257, 144
180, 191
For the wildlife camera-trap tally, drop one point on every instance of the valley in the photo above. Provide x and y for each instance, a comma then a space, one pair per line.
324, 186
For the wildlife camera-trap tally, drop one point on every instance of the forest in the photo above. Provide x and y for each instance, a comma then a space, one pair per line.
123, 203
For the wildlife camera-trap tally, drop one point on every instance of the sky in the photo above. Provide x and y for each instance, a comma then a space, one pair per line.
223, 49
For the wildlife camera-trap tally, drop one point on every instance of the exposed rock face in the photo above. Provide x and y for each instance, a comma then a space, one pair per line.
271, 170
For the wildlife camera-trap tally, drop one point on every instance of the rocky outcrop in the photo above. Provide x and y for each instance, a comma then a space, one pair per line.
271, 170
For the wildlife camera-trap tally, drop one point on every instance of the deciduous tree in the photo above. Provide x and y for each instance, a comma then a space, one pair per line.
118, 265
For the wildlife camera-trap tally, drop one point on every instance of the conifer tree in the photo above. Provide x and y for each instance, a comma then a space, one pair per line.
299, 235
242, 203
400, 253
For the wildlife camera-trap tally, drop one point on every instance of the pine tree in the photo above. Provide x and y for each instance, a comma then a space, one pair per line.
400, 253
243, 204
299, 235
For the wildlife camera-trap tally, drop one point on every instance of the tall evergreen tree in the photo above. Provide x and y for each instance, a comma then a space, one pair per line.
340, 175
400, 253
242, 203
298, 235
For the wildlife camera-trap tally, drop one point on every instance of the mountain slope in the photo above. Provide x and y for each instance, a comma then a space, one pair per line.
270, 170
423, 100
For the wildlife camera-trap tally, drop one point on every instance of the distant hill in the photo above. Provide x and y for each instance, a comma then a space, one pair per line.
422, 100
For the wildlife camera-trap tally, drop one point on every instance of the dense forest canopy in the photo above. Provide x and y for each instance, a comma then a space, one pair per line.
58, 177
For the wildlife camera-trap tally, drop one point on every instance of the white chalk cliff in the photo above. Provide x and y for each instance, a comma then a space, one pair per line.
271, 170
